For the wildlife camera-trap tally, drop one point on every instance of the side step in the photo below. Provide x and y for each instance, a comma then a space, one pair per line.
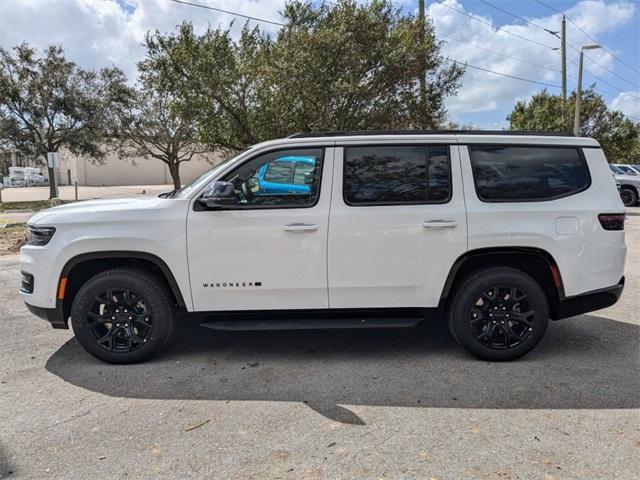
315, 323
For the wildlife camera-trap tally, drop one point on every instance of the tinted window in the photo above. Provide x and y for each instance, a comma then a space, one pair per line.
287, 178
527, 173
380, 175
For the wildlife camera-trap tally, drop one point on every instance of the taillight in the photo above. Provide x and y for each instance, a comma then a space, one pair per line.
612, 221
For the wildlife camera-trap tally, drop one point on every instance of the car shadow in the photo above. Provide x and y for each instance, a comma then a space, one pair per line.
587, 362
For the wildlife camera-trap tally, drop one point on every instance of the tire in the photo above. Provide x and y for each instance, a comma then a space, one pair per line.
123, 315
485, 323
628, 196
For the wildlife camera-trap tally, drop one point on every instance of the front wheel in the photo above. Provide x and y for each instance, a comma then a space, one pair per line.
123, 315
498, 313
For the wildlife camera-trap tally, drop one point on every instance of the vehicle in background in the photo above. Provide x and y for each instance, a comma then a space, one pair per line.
627, 169
284, 176
25, 177
628, 186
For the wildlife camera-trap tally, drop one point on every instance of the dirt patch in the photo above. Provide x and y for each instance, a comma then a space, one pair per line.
11, 239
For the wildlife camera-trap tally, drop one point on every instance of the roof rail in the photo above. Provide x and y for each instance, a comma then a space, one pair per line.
426, 132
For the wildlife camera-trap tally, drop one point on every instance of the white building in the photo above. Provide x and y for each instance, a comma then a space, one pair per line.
113, 170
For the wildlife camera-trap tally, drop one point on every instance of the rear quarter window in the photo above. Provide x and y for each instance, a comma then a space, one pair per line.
520, 174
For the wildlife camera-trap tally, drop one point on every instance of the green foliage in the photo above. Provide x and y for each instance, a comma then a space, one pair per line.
333, 67
152, 127
48, 102
618, 135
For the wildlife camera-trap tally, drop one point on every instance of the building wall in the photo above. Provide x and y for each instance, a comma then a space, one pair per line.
113, 170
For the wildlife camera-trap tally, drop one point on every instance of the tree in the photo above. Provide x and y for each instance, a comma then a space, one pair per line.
153, 128
48, 102
618, 135
342, 66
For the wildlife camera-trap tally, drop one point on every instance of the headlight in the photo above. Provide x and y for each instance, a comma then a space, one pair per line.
39, 235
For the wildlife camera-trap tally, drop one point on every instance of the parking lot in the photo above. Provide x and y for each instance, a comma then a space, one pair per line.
335, 404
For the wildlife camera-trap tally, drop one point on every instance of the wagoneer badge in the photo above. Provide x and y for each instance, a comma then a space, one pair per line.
231, 284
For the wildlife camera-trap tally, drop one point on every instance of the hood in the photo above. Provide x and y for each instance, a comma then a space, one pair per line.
94, 208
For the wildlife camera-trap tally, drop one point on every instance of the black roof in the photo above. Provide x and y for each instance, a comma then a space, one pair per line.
426, 132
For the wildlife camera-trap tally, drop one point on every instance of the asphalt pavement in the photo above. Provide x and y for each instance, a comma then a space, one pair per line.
387, 404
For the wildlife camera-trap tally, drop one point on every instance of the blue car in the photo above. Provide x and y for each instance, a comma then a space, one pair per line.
286, 176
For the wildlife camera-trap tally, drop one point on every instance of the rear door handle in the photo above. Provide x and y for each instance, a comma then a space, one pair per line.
439, 224
300, 227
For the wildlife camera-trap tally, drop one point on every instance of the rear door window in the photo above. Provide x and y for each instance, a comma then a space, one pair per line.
396, 175
520, 174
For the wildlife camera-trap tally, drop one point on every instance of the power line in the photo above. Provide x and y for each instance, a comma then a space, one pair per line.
603, 67
502, 74
236, 14
603, 80
493, 26
588, 36
499, 53
528, 22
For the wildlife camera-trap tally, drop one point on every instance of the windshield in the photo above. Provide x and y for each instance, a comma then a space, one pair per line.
196, 182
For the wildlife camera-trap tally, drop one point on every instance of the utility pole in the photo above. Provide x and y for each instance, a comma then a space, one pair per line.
563, 52
423, 63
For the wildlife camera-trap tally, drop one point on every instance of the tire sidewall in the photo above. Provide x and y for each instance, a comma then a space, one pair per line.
144, 285
633, 197
459, 312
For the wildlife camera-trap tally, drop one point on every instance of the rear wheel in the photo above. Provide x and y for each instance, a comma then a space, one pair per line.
123, 316
498, 313
629, 196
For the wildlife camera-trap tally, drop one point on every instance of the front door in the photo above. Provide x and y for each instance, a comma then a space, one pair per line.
269, 251
397, 224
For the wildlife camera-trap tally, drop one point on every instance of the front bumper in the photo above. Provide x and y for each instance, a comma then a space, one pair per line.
588, 302
52, 315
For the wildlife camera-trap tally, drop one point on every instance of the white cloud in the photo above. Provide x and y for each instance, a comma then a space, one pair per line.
628, 103
110, 32
486, 92
104, 33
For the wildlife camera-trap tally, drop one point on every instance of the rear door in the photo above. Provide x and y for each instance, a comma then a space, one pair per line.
397, 224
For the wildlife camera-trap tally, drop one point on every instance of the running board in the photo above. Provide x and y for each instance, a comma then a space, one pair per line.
247, 324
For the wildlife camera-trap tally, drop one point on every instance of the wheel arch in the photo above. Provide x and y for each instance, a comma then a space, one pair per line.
536, 262
84, 266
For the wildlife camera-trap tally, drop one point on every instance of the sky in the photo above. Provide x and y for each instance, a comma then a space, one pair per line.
97, 33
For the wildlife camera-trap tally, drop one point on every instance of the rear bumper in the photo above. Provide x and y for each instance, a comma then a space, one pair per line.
588, 302
52, 315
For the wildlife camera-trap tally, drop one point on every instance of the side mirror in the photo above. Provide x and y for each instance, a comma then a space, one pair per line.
219, 194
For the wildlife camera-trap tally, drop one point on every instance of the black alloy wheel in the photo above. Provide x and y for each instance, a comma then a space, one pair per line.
502, 317
123, 315
120, 320
498, 313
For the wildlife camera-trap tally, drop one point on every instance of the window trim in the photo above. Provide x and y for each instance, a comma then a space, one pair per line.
198, 207
581, 156
399, 203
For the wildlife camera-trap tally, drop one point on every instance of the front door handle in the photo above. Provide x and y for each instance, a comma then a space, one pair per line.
300, 227
439, 224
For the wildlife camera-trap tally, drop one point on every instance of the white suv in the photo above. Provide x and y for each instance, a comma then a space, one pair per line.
498, 231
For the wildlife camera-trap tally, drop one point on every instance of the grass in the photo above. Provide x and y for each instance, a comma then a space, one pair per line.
33, 205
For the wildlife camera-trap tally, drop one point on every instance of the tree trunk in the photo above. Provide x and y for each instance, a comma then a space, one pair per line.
174, 170
52, 190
